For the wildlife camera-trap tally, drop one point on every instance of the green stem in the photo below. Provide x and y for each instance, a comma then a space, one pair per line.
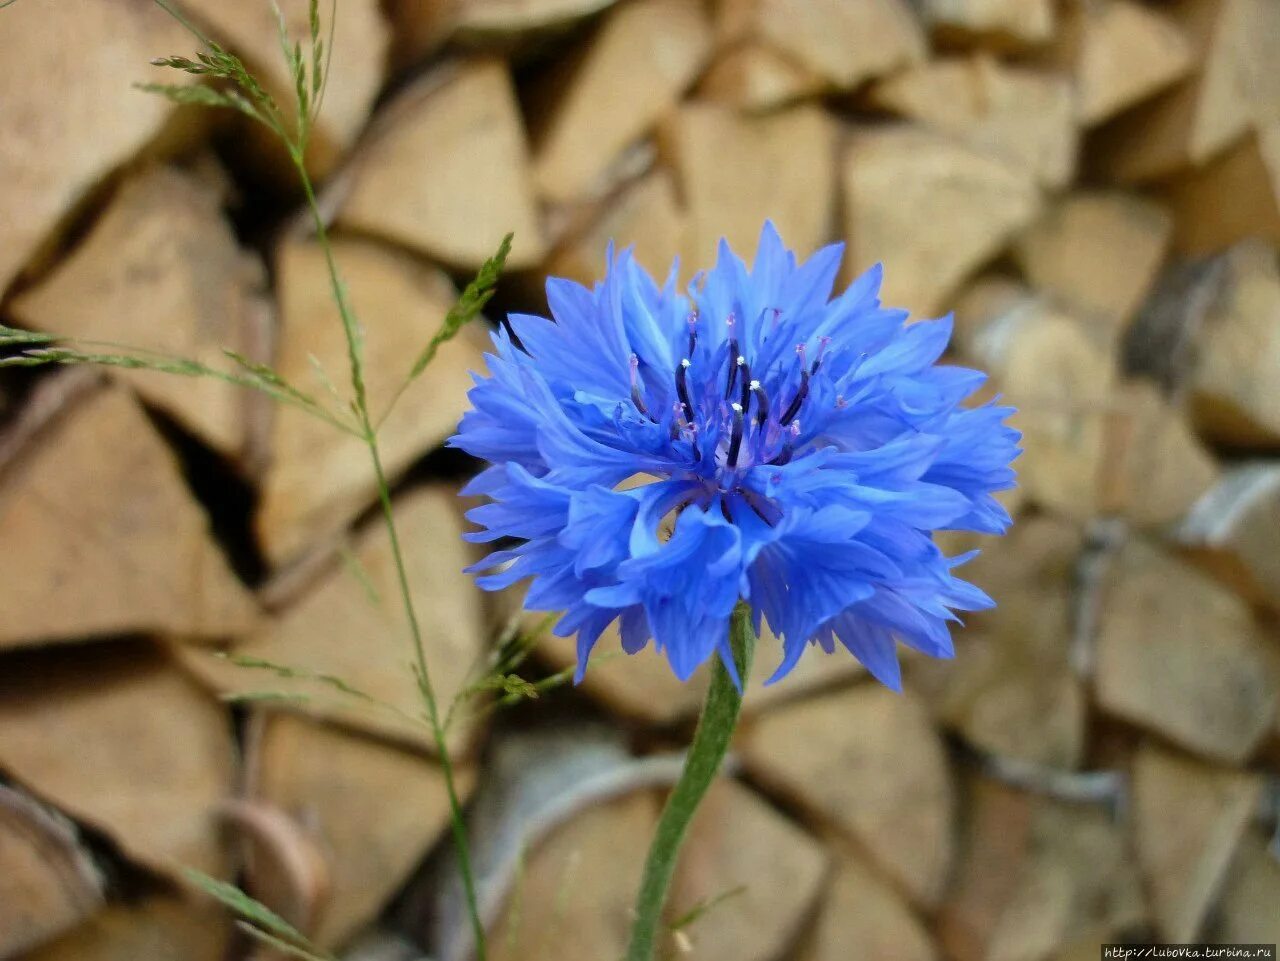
710, 743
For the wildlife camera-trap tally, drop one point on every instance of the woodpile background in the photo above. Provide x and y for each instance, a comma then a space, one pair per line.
1092, 185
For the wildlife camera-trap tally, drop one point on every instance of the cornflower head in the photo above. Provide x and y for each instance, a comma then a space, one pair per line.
658, 457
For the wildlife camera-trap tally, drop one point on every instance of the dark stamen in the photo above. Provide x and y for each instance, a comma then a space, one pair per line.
682, 389
735, 440
745, 374
788, 447
823, 341
762, 403
636, 396
730, 322
794, 407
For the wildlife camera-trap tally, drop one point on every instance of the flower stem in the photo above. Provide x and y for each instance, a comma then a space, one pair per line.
710, 743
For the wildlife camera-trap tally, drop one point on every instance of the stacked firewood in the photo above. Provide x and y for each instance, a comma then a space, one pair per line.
1093, 186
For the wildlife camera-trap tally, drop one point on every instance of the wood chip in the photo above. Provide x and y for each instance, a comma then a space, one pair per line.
162, 270
1180, 655
360, 39
1037, 878
768, 887
1188, 818
896, 179
643, 57
1247, 913
1022, 116
373, 809
129, 552
81, 120
574, 897
319, 478
49, 882
1098, 252
754, 76
351, 625
644, 215
863, 917
842, 43
1233, 197
118, 738
445, 170
735, 171
158, 928
868, 761
999, 23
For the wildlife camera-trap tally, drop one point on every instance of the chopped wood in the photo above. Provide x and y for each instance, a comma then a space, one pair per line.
643, 57
574, 897
842, 43
1037, 878
1059, 378
131, 551
1022, 116
768, 887
735, 171
1098, 252
1120, 53
507, 20
82, 120
896, 179
320, 479
1233, 45
360, 39
1010, 690
863, 917
1233, 197
350, 625
867, 761
754, 76
330, 782
998, 23
445, 170
161, 270
118, 738
1180, 655
645, 215
48, 881
419, 28
1188, 819
158, 928
1247, 914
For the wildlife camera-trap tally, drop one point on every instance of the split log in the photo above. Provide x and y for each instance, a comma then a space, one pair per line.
645, 54
350, 625
769, 884
735, 171
504, 22
1010, 690
419, 28
1037, 878
1247, 913
158, 928
863, 917
118, 738
48, 881
1047, 366
896, 179
1234, 530
1022, 116
161, 270
1099, 253
1233, 197
1233, 45
844, 44
1120, 53
1181, 656
574, 897
319, 478
445, 170
81, 120
645, 215
131, 551
868, 762
374, 811
1188, 819
991, 23
356, 62
753, 76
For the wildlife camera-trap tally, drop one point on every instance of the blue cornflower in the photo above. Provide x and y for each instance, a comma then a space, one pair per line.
658, 457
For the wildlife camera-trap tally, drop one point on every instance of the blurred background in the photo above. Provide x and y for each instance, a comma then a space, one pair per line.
1093, 186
